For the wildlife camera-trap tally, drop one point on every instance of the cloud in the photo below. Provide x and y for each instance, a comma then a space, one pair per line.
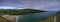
40, 4
49, 6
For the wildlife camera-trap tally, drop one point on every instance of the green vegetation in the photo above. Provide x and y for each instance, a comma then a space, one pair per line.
18, 12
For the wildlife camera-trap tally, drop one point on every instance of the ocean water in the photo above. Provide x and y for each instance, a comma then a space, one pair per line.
35, 16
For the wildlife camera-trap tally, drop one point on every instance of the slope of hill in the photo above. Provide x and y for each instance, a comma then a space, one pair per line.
19, 12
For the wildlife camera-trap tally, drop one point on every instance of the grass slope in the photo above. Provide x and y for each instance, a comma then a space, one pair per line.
18, 12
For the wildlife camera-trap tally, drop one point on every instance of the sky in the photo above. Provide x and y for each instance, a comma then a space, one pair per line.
47, 5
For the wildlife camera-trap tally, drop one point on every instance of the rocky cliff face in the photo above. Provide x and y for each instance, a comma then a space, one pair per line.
10, 17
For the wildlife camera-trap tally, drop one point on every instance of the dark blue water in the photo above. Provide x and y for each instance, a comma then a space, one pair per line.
33, 17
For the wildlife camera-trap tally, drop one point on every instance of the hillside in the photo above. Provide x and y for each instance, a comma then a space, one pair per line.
19, 12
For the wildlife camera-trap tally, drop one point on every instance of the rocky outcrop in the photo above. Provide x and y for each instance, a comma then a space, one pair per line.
10, 17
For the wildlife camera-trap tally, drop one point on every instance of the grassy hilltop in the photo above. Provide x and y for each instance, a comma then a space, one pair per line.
18, 12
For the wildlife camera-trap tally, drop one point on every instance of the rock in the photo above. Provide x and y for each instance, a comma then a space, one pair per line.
10, 17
